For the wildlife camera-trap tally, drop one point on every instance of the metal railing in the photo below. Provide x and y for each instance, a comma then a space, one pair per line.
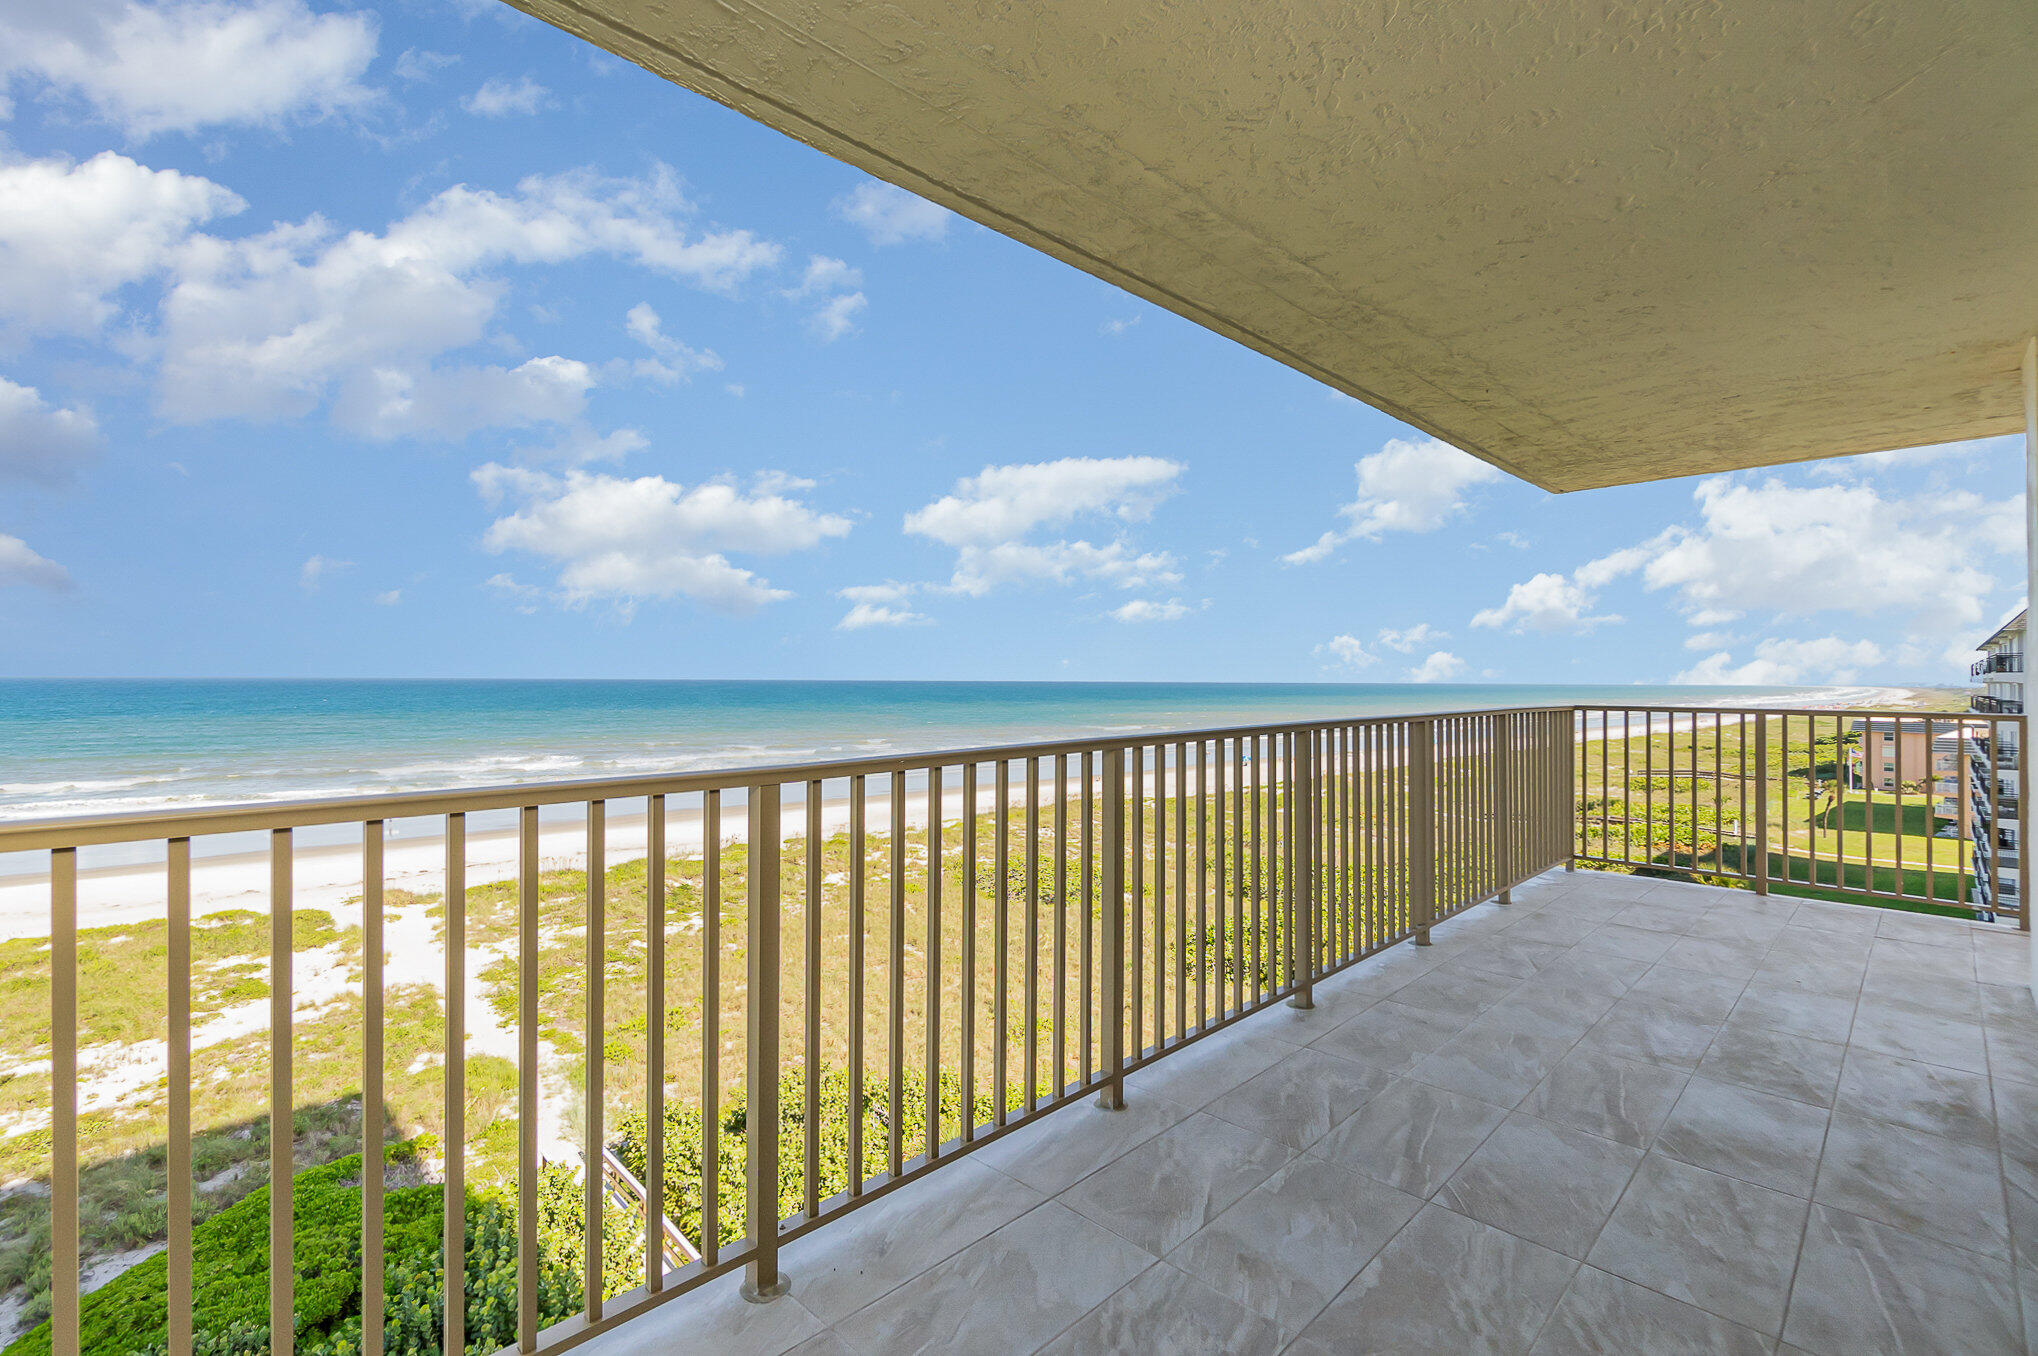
1999, 706
1765, 796
1047, 918
1996, 663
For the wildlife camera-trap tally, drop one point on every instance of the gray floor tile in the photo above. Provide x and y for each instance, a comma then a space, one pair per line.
1756, 1057
1599, 970
1928, 1186
1716, 956
1162, 1309
1389, 1036
1551, 1008
1947, 1102
1921, 1036
1555, 929
1755, 1136
1722, 1244
1602, 1094
1635, 943
1009, 1292
1177, 1182
1924, 929
1827, 916
1298, 1100
1709, 997
1295, 1240
1412, 1136
828, 1343
1659, 917
1213, 1066
1508, 957
1542, 1181
1495, 1062
1653, 1030
1065, 1146
893, 1239
1865, 1287
1462, 994
1833, 974
716, 1318
2012, 1053
1445, 1284
1797, 1012
1605, 1315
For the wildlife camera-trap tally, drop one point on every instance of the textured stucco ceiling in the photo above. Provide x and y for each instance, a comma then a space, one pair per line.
1591, 243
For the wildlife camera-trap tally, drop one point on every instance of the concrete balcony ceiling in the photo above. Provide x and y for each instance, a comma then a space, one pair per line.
1590, 244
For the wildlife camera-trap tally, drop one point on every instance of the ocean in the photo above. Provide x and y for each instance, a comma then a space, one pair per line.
101, 746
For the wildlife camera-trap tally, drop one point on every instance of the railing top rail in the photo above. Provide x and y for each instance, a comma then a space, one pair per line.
36, 835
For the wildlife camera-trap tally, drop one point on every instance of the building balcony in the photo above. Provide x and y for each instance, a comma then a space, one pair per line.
1996, 706
1997, 663
1330, 1054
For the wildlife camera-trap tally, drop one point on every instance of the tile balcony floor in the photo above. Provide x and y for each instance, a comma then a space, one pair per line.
1615, 1116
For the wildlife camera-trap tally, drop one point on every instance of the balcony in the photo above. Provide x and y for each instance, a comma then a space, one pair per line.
1328, 1054
1996, 663
1997, 706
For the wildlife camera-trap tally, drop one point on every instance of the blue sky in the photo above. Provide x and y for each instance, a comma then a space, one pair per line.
424, 340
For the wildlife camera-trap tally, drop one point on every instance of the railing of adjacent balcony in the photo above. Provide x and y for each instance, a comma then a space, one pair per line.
1997, 706
996, 932
1996, 663
1777, 799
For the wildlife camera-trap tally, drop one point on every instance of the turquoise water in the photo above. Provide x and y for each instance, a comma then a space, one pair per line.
71, 747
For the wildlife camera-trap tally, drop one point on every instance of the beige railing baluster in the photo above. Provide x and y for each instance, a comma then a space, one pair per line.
64, 1102
282, 1117
932, 960
1086, 843
1422, 827
711, 1026
527, 1079
1178, 971
1203, 957
1111, 1096
371, 1086
762, 1279
1304, 855
859, 865
810, 1171
453, 1224
966, 1043
178, 1290
1031, 1040
1058, 1032
594, 948
1001, 938
654, 1044
1762, 804
895, 968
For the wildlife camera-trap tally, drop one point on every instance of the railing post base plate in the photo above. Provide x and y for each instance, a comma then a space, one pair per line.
1302, 1001
765, 1295
1111, 1099
1422, 938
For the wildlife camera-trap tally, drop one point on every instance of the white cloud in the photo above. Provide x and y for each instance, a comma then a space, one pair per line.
864, 615
1826, 660
1348, 651
40, 442
318, 569
21, 565
891, 591
389, 598
836, 317
73, 235
892, 216
502, 97
989, 516
631, 540
675, 361
276, 324
523, 597
1113, 328
1149, 610
1406, 640
1440, 667
182, 65
1404, 487
581, 445
1767, 546
1545, 602
835, 284
419, 64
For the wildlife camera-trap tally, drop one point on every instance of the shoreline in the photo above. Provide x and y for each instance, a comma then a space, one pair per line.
327, 875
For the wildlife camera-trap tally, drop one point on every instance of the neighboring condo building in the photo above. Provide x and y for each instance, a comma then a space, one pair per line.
2001, 671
